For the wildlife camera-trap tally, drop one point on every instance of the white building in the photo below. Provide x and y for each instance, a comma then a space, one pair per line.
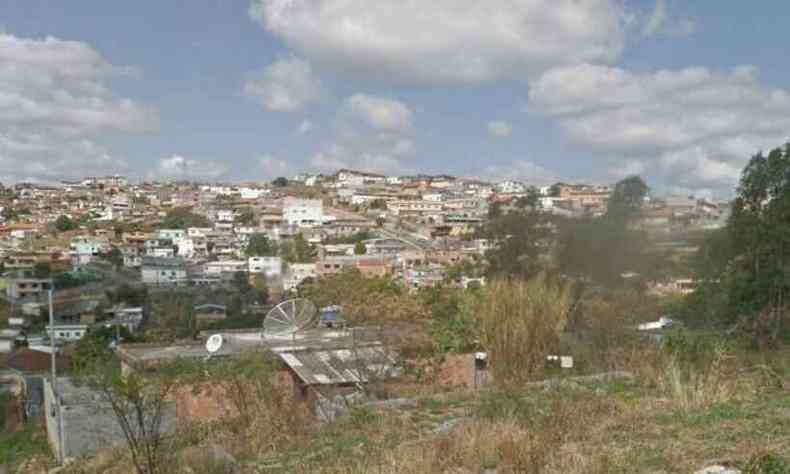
172, 234
269, 266
225, 266
224, 215
68, 332
163, 271
297, 273
511, 186
303, 212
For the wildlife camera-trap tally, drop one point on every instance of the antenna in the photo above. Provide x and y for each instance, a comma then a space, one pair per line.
288, 317
214, 343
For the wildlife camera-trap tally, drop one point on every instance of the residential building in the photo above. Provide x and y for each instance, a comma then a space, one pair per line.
163, 271
269, 266
303, 212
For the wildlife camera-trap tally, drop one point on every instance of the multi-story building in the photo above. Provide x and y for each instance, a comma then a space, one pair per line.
303, 212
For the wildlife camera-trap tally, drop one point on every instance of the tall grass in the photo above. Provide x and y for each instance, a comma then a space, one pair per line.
520, 323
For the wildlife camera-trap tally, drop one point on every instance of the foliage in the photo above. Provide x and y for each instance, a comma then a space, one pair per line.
95, 347
378, 204
280, 182
171, 316
245, 216
627, 198
453, 324
298, 250
259, 245
182, 218
360, 249
357, 237
744, 268
521, 239
766, 463
131, 295
23, 444
140, 404
520, 323
42, 270
114, 256
363, 299
64, 223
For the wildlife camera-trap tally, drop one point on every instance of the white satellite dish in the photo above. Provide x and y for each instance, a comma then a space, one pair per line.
214, 343
289, 317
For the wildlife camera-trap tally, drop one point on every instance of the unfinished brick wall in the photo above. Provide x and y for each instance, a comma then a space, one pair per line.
213, 402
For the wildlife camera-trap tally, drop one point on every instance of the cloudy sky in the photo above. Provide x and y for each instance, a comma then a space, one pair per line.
681, 92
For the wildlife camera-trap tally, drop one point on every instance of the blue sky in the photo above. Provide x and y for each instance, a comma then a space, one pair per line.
529, 89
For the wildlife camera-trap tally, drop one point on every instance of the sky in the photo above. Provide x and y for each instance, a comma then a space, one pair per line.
679, 92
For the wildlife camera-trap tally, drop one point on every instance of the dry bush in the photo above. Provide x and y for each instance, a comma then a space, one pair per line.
520, 323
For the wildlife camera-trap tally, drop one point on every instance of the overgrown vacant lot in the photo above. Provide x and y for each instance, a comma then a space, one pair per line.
670, 416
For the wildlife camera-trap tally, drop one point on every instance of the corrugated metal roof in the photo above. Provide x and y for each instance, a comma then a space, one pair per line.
340, 366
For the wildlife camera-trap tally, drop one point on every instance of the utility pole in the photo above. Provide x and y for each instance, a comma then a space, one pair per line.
55, 393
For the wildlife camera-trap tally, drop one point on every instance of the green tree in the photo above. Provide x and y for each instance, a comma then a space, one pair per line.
245, 216
748, 270
299, 250
42, 270
261, 289
64, 223
259, 245
182, 218
280, 182
360, 249
520, 240
114, 256
602, 249
627, 198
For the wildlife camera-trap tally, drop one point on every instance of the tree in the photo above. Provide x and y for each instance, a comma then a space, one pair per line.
114, 256
520, 240
9, 214
140, 404
280, 182
627, 198
64, 223
259, 245
602, 249
182, 218
747, 270
360, 249
298, 250
261, 289
378, 204
494, 210
241, 281
245, 216
42, 270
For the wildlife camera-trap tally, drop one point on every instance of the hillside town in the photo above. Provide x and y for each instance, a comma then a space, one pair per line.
394, 237
130, 260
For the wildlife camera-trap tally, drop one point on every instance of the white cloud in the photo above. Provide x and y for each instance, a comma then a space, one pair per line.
660, 23
178, 167
305, 127
441, 41
380, 113
273, 168
284, 86
371, 133
694, 127
499, 129
54, 103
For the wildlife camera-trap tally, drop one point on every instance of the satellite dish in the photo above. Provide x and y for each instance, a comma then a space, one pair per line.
289, 317
214, 343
